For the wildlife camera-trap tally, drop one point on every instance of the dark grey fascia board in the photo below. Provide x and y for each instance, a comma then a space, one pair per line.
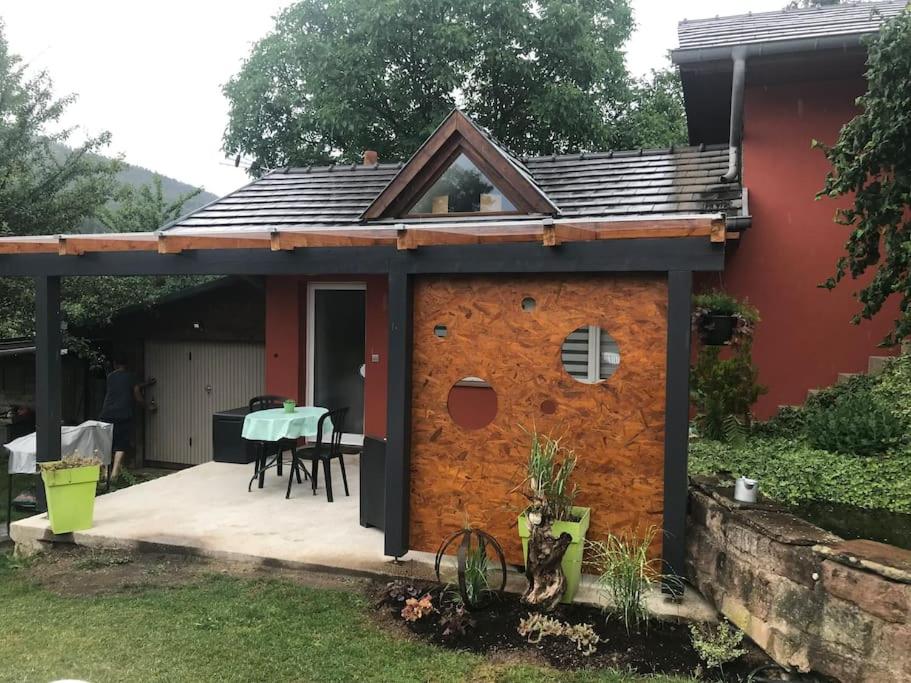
622, 255
682, 56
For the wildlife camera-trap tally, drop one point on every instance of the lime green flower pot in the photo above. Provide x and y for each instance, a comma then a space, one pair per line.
572, 560
70, 497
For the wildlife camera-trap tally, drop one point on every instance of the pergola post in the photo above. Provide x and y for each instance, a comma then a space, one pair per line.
48, 370
676, 428
398, 414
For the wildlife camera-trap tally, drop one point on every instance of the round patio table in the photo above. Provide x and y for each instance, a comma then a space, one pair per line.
276, 424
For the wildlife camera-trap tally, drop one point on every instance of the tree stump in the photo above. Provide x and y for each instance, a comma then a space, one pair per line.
546, 581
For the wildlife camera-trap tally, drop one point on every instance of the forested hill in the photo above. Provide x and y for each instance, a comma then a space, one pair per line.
137, 175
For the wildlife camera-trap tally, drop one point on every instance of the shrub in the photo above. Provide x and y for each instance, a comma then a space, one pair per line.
717, 646
789, 422
722, 389
625, 572
893, 388
792, 472
856, 422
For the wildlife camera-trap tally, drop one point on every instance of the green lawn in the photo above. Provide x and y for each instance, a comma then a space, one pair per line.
216, 627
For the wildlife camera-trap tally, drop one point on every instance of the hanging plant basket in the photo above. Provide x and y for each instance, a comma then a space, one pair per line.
482, 541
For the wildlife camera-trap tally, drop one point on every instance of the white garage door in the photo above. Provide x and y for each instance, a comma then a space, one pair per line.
195, 380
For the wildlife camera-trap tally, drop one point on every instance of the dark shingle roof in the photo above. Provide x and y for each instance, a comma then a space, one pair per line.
782, 25
685, 180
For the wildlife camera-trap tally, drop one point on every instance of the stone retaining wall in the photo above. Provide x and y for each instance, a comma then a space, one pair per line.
808, 598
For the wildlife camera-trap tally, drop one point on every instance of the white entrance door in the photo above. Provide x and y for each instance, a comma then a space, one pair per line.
336, 315
193, 381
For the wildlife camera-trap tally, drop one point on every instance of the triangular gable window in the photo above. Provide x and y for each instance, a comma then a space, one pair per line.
462, 188
460, 170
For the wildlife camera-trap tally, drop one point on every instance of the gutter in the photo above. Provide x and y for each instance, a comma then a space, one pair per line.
682, 56
736, 136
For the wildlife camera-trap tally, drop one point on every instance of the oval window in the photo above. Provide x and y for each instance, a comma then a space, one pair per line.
590, 355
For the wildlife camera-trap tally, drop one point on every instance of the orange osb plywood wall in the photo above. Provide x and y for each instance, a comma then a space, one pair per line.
616, 428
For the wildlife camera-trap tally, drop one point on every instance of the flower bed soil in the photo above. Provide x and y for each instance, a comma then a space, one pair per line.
658, 647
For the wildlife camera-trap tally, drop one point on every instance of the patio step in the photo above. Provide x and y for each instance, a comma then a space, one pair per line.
845, 377
876, 364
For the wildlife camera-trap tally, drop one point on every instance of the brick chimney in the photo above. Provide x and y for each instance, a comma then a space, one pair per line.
370, 157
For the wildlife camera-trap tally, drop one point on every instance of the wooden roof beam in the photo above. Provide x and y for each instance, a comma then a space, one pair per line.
286, 241
76, 245
175, 244
28, 245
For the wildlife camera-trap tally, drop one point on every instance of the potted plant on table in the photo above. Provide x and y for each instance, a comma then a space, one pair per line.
69, 486
719, 318
552, 529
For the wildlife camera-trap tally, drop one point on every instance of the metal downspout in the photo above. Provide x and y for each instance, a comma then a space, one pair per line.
736, 137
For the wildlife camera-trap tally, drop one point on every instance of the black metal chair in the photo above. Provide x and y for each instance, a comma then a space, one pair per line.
324, 449
265, 449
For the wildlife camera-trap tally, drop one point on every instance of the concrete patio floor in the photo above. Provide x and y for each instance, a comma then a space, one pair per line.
206, 510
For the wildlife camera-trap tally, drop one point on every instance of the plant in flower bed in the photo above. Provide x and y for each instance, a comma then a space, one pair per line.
574, 636
719, 645
472, 589
536, 625
625, 573
551, 527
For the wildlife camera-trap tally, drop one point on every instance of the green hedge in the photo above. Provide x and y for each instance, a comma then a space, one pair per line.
789, 471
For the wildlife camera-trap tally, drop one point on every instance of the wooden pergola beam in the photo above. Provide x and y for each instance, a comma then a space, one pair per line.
74, 245
548, 232
287, 240
175, 244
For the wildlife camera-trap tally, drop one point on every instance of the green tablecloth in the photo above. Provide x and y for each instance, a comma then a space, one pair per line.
276, 424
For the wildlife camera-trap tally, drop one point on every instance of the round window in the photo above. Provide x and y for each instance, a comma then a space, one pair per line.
472, 403
590, 355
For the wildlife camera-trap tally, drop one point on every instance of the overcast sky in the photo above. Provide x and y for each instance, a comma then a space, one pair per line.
151, 72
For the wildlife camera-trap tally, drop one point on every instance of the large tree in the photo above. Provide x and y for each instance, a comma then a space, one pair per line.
871, 164
336, 77
44, 187
47, 187
143, 208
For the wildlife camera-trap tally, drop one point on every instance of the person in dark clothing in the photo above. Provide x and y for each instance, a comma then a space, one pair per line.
123, 391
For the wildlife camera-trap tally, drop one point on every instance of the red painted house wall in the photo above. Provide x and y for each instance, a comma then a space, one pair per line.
804, 339
286, 348
285, 330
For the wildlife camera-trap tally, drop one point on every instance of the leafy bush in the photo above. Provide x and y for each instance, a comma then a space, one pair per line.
789, 422
856, 422
893, 388
717, 646
789, 471
722, 389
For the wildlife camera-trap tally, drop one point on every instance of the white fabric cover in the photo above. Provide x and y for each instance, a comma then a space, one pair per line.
91, 438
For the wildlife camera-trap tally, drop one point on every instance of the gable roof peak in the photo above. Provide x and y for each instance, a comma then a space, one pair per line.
459, 133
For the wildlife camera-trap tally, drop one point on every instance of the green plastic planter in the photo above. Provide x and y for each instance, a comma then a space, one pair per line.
572, 560
70, 497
